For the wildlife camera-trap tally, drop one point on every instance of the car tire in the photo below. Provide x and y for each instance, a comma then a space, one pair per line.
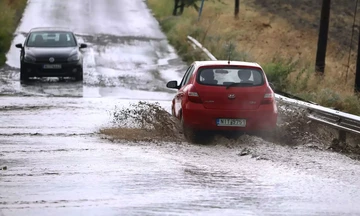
195, 136
79, 75
189, 133
23, 75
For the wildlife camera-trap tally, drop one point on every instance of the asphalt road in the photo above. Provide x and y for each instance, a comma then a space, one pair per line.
55, 163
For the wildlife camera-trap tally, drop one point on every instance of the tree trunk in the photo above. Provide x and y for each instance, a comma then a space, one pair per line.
357, 74
237, 8
323, 36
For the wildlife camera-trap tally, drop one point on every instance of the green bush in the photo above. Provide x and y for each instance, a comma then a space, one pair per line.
10, 15
278, 71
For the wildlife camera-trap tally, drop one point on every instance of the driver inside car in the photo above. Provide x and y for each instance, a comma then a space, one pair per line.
208, 76
244, 75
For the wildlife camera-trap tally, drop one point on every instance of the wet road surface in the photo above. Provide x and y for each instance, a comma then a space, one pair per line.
57, 163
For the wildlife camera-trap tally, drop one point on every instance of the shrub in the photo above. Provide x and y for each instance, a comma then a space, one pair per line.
278, 71
10, 16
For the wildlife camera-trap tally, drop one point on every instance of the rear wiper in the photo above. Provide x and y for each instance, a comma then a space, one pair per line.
239, 84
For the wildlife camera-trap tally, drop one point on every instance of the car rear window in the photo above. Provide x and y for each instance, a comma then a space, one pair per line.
51, 39
224, 76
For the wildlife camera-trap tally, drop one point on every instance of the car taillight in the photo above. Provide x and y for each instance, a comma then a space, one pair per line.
268, 97
193, 95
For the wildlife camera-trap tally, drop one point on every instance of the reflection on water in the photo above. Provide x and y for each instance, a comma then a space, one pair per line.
55, 87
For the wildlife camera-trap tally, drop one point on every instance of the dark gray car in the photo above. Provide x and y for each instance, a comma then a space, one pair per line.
51, 52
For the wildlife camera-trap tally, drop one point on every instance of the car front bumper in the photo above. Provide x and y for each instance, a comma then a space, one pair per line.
262, 119
68, 69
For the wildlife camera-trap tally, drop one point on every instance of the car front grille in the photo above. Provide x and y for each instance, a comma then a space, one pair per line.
46, 60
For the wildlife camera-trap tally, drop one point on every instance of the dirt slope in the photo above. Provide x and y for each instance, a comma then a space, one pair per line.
305, 14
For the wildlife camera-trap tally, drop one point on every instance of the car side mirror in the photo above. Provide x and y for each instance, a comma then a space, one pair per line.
19, 45
83, 46
172, 84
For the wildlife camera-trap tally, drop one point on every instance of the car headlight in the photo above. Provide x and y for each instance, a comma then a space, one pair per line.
29, 58
75, 57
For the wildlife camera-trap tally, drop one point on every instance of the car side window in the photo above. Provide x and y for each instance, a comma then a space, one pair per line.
183, 81
189, 75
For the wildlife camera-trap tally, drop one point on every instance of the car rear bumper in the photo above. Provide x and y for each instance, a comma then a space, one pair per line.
262, 119
36, 69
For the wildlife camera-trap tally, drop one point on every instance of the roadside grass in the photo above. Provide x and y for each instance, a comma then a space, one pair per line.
10, 15
286, 52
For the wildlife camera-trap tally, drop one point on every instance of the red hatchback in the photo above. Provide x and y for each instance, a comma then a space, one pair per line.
222, 95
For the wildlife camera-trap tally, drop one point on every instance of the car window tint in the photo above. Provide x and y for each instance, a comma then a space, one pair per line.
183, 81
227, 75
189, 76
51, 39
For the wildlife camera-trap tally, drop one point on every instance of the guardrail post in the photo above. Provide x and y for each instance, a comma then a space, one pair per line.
342, 136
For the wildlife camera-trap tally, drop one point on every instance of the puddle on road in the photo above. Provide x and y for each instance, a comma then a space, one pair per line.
49, 87
142, 179
110, 179
148, 64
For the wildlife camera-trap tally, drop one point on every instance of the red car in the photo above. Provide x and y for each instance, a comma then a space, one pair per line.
223, 95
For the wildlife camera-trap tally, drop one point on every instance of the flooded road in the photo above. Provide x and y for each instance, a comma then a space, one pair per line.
54, 162
57, 164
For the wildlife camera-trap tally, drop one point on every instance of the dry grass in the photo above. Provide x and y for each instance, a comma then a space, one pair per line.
10, 14
269, 39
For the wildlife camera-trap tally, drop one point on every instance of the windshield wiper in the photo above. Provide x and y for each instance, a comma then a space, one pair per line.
239, 84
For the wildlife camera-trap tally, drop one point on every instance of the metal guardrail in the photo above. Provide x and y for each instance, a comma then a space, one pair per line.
344, 122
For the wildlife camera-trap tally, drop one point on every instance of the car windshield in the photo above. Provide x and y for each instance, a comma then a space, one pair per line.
230, 76
51, 39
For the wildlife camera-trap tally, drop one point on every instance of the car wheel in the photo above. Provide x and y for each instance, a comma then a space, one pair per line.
79, 75
23, 75
188, 132
195, 136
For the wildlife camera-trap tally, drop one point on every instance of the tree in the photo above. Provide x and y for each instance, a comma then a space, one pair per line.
357, 74
323, 36
237, 8
178, 4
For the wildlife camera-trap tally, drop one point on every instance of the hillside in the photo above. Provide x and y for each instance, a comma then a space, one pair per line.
281, 35
305, 15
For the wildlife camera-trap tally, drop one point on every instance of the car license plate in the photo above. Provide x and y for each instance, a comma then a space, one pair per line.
231, 122
52, 66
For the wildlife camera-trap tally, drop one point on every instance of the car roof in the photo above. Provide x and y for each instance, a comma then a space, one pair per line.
54, 29
226, 62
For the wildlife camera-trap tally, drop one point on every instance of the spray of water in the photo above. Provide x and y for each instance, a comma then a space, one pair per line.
149, 121
143, 121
